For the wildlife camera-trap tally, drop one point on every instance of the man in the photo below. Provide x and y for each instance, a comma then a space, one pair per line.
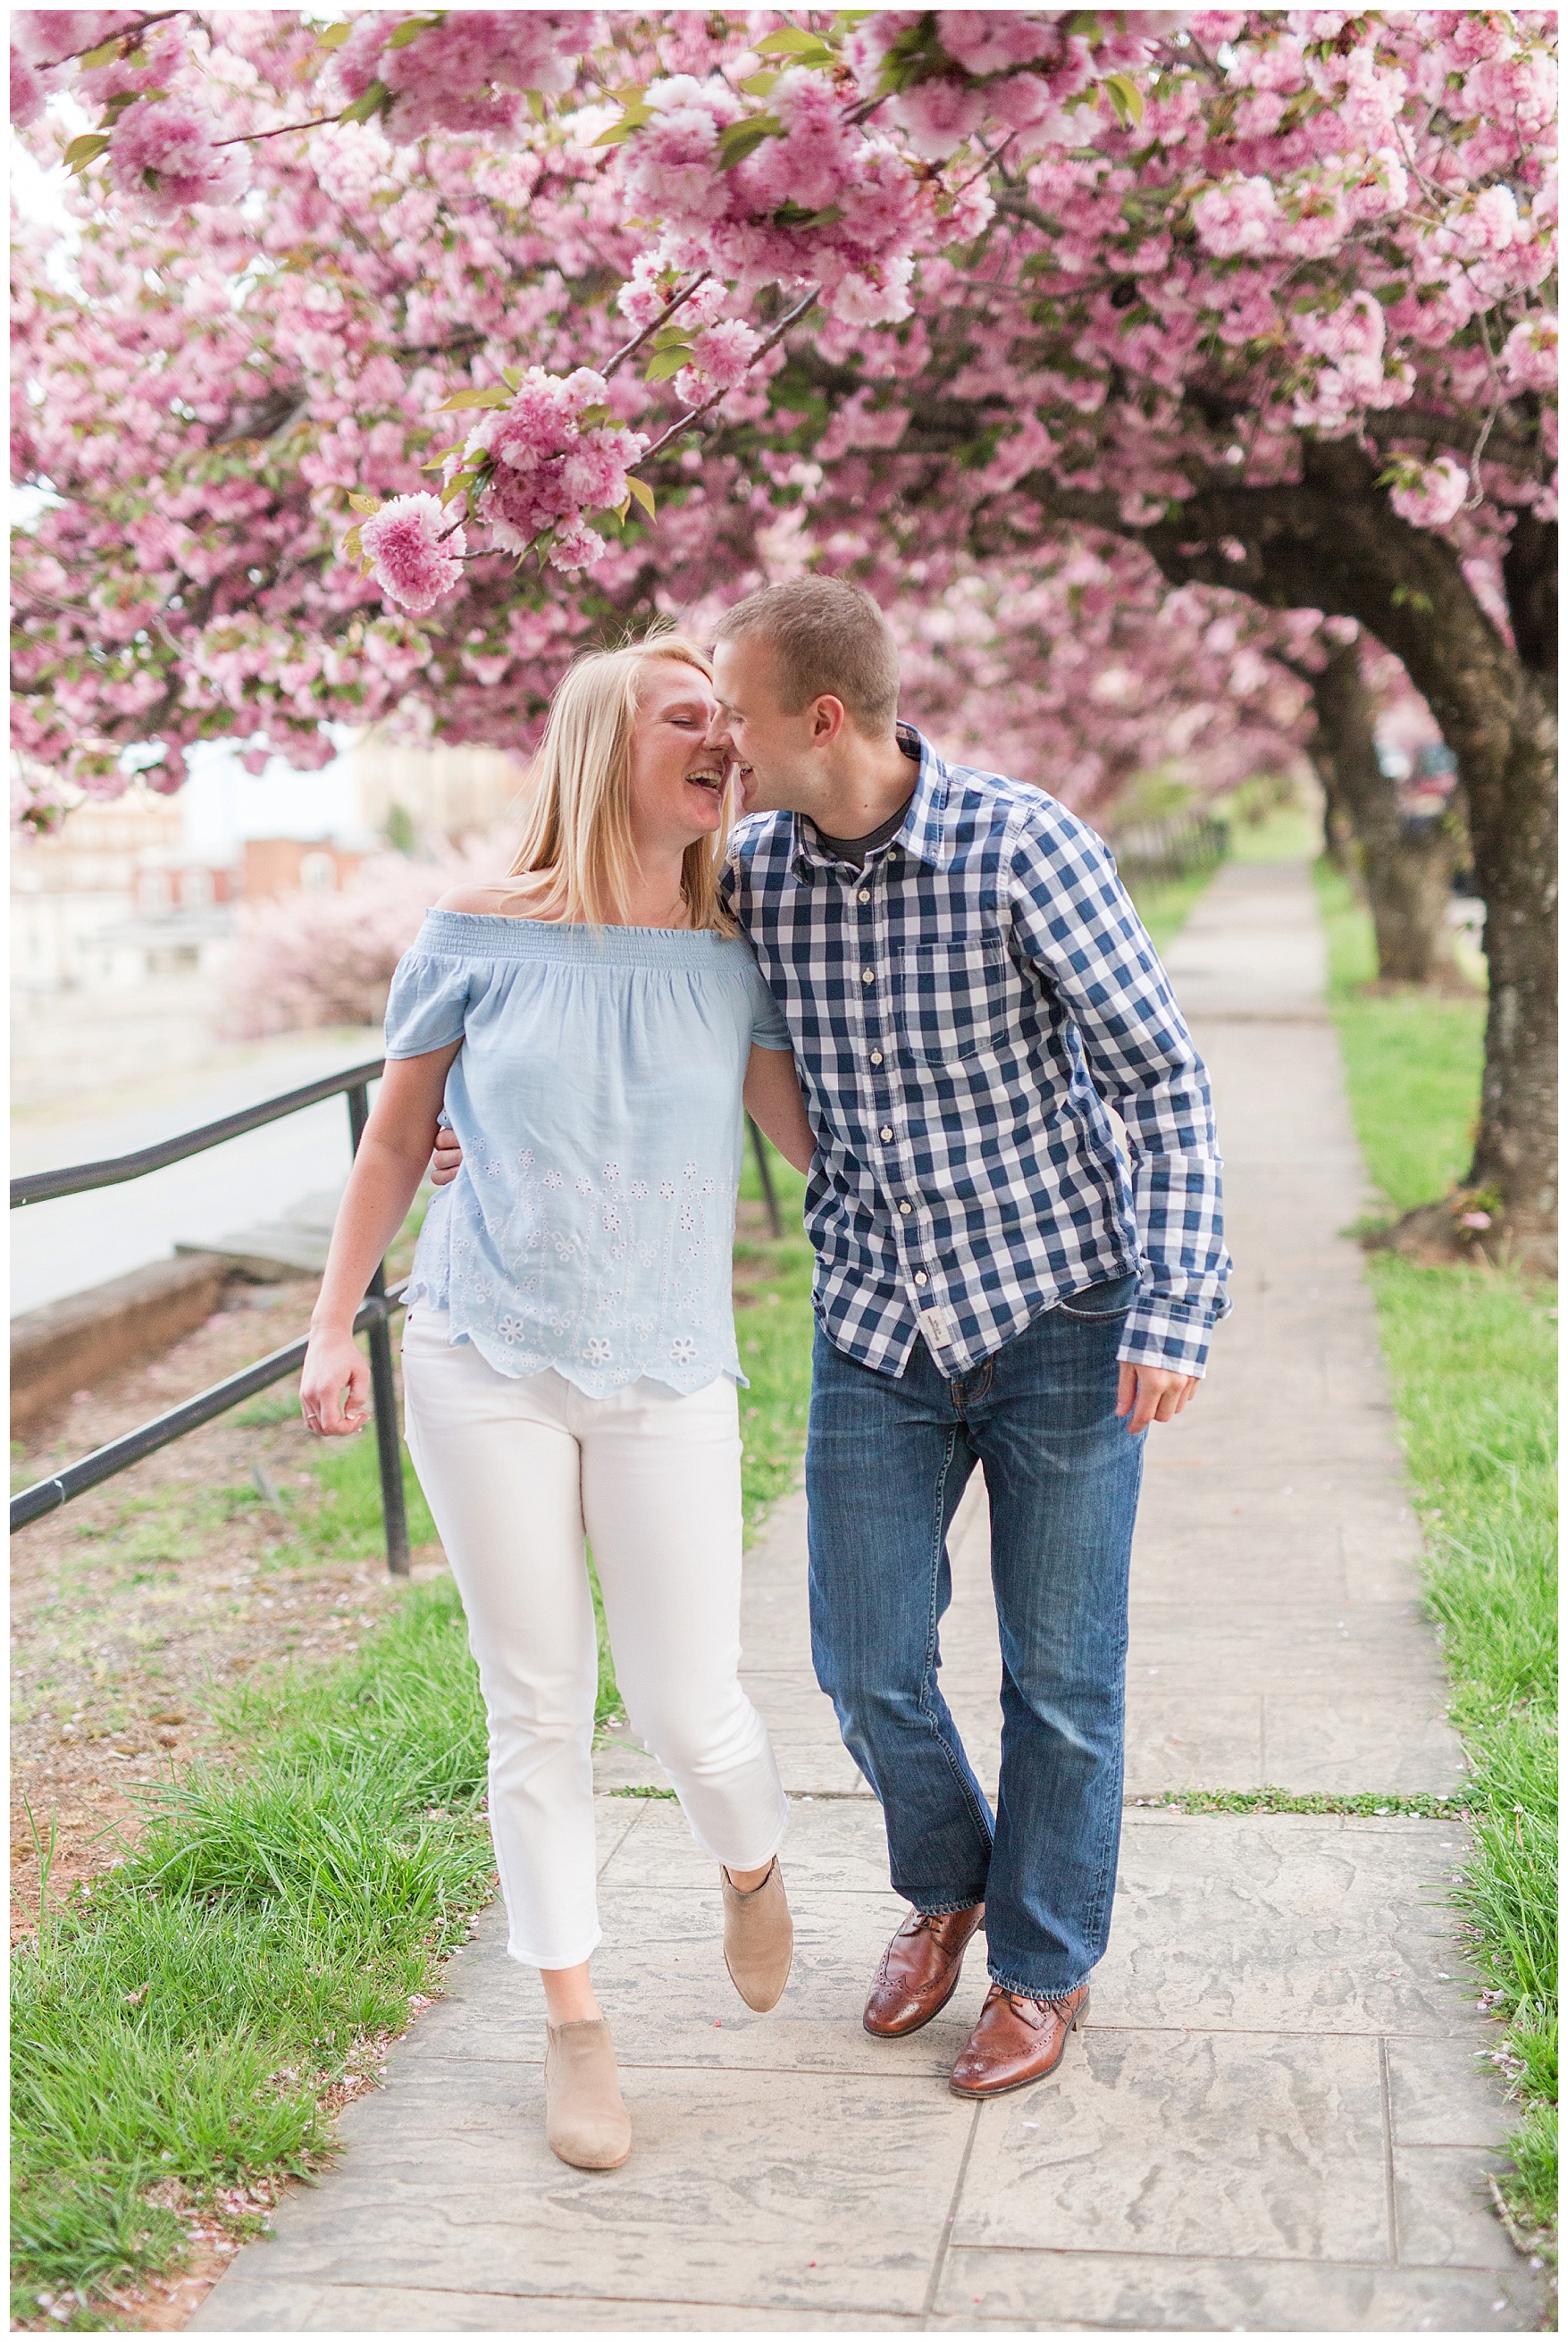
968, 988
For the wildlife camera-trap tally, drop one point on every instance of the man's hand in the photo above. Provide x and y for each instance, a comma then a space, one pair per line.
1149, 1393
448, 1160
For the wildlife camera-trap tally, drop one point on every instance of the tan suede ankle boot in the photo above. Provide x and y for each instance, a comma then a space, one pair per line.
584, 2120
759, 1939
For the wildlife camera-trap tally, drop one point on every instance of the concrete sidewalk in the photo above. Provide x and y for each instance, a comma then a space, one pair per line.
1275, 2118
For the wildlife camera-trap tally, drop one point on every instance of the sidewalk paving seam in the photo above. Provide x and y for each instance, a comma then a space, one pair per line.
934, 2287
1391, 2191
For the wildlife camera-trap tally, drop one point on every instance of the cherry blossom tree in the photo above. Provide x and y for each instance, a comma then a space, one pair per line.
1264, 295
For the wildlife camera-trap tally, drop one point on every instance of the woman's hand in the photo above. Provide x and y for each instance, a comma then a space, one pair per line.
381, 1186
335, 1385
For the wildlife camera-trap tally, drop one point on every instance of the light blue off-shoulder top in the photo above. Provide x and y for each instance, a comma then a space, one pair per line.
597, 1099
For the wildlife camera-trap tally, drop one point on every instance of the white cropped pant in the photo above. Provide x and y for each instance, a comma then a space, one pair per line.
516, 1471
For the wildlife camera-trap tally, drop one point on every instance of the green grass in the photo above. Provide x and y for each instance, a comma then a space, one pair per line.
175, 2025
773, 1335
1412, 1061
175, 2028
1472, 1355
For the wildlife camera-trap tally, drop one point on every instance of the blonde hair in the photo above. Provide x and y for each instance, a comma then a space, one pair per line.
579, 824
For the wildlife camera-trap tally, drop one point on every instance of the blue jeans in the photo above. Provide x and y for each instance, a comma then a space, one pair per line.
887, 1461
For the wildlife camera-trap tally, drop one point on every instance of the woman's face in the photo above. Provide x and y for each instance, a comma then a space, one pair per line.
678, 784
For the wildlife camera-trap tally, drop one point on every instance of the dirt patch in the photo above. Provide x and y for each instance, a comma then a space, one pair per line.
1466, 1228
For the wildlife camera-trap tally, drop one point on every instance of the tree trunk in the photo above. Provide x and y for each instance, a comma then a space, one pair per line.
1408, 867
1332, 543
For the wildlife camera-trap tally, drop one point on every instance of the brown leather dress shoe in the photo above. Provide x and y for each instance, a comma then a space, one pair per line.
1016, 2041
920, 1970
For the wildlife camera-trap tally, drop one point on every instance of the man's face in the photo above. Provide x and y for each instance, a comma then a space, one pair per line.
773, 749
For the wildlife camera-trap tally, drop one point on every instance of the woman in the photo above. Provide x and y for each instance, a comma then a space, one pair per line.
590, 1025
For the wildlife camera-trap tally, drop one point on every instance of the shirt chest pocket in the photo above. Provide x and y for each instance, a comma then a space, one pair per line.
953, 1001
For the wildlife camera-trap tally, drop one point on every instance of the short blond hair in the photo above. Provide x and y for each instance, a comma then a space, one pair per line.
579, 823
829, 636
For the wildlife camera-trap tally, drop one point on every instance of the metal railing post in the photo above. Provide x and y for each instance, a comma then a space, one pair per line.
764, 1173
383, 1388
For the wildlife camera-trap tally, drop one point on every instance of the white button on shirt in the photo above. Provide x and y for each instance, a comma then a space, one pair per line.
1025, 1000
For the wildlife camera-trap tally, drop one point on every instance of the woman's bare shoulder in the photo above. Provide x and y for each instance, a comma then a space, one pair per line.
520, 895
492, 898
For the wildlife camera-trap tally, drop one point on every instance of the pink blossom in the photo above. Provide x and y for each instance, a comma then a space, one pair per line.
1522, 90
165, 153
721, 356
1380, 190
939, 115
168, 778
29, 92
1277, 65
575, 546
993, 40
1023, 101
1530, 354
1431, 497
46, 35
412, 564
465, 74
1238, 216
879, 297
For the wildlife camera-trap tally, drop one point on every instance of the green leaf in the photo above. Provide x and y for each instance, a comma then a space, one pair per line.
364, 503
793, 41
668, 335
743, 138
637, 112
758, 84
622, 509
84, 150
125, 100
371, 104
1127, 97
513, 378
409, 30
457, 487
351, 544
100, 56
593, 415
498, 396
333, 37
665, 363
644, 494
536, 103
792, 216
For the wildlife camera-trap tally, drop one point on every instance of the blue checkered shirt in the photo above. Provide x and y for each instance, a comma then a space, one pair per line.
962, 1010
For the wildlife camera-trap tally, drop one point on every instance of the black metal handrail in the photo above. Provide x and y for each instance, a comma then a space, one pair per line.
42, 1187
374, 1317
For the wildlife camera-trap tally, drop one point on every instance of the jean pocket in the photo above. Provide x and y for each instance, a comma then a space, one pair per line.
1097, 1303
